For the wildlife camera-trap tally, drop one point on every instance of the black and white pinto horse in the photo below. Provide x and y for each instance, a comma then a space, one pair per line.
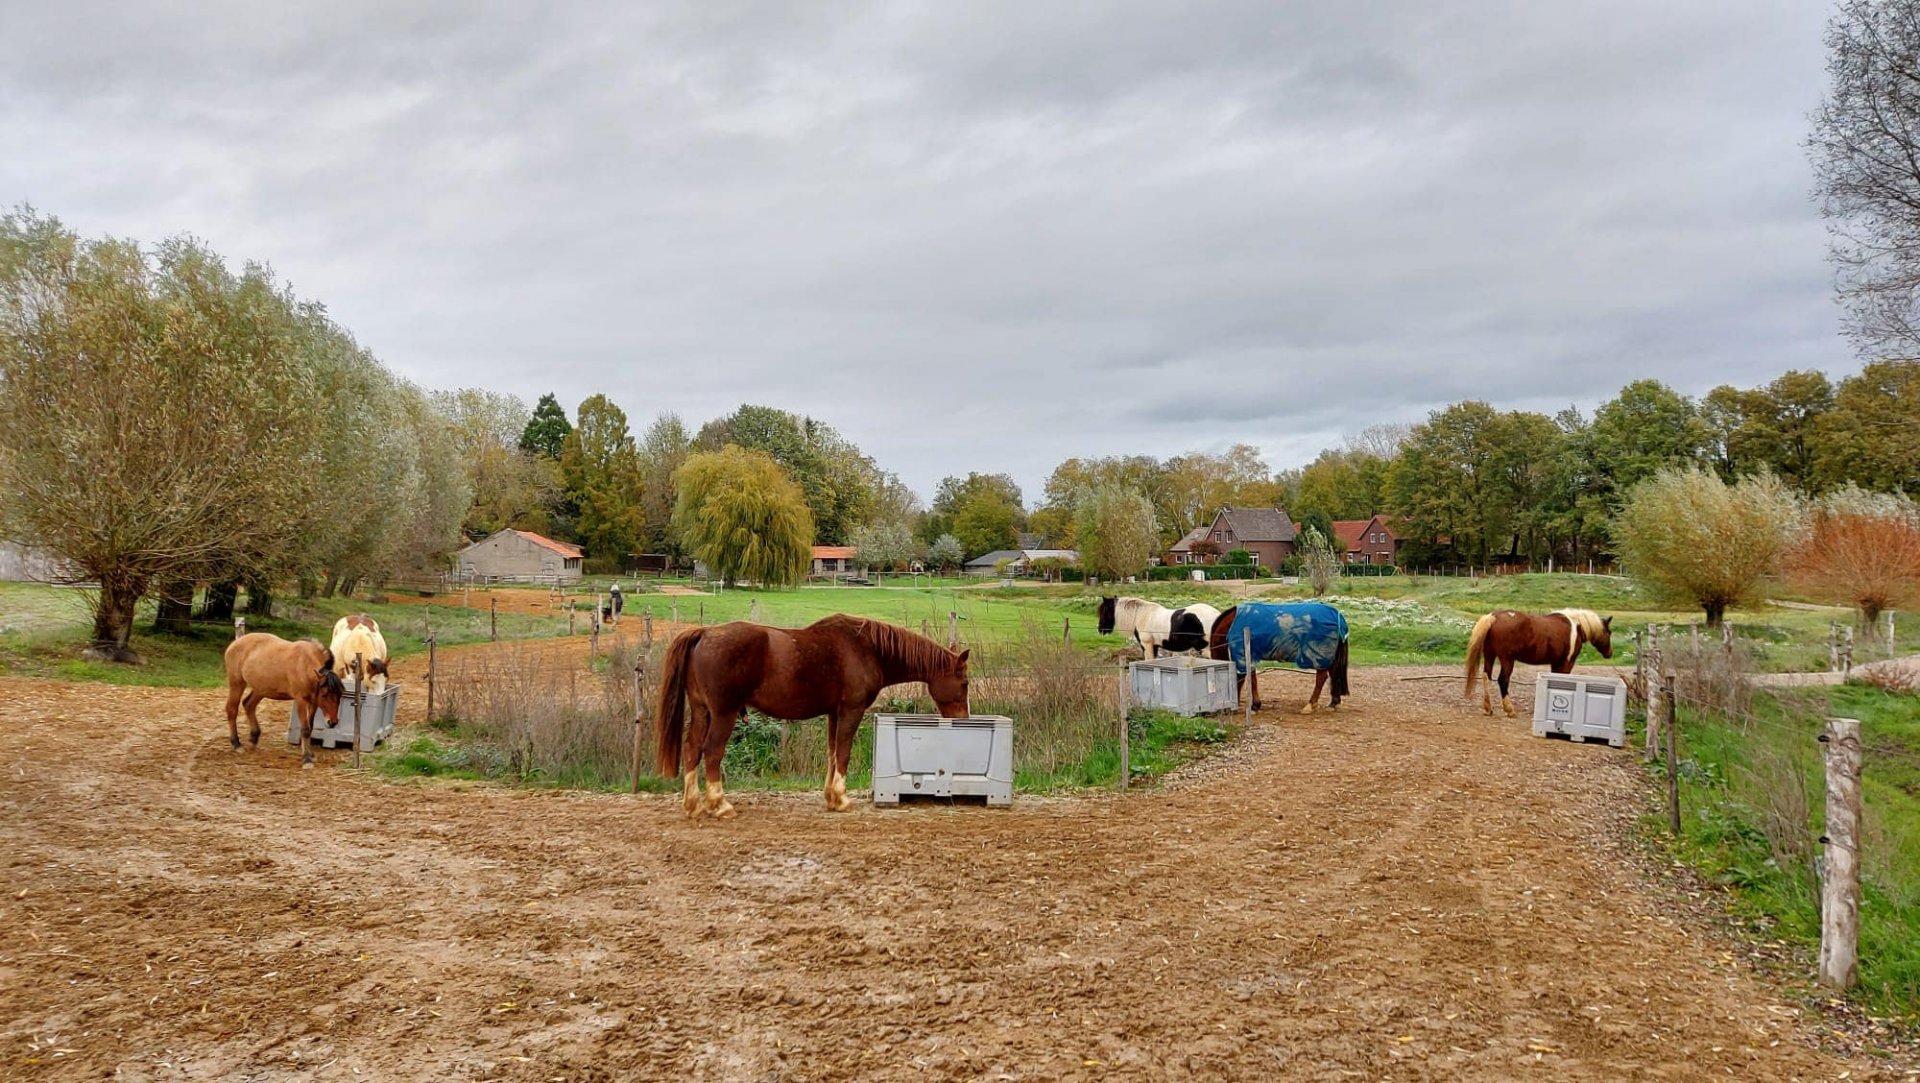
1157, 628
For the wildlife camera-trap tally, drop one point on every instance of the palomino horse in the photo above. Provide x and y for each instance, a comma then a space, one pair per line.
1155, 627
261, 665
357, 634
835, 666
1550, 640
1311, 635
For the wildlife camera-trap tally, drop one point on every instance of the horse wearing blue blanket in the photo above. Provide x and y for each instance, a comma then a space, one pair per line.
1311, 635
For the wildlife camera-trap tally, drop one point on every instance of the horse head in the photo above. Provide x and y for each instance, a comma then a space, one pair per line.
1107, 607
328, 690
1604, 641
949, 688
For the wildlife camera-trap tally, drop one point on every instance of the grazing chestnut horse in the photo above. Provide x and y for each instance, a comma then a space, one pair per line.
1553, 639
1311, 635
261, 665
359, 634
835, 666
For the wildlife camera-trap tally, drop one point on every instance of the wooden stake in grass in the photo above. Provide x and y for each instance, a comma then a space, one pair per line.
493, 619
239, 627
1253, 676
1126, 703
359, 693
431, 666
1673, 764
1840, 886
639, 717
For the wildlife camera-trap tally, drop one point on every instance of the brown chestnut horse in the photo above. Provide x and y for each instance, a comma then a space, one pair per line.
261, 665
835, 666
1553, 639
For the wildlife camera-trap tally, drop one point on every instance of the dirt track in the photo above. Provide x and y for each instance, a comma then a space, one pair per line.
1401, 890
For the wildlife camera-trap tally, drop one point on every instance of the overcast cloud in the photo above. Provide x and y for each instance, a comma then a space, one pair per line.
976, 236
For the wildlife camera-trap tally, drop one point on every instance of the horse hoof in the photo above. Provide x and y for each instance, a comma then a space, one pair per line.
724, 811
1308, 709
236, 744
306, 765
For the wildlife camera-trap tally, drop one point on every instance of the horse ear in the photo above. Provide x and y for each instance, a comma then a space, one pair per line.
1606, 622
963, 655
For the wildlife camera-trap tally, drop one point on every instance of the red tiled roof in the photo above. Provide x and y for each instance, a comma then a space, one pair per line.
565, 549
1260, 525
1350, 530
834, 552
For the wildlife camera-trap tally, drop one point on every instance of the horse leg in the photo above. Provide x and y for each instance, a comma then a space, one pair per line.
1486, 688
1313, 701
690, 750
253, 722
841, 729
1253, 678
306, 729
1506, 676
235, 689
719, 728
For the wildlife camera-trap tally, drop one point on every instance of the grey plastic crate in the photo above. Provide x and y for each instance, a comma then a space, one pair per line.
1184, 684
1582, 708
921, 755
376, 717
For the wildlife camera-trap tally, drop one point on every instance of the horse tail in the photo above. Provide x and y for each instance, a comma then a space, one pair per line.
1476, 650
1340, 688
672, 713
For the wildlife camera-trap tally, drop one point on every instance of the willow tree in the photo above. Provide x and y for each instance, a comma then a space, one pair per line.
1695, 540
740, 514
1863, 549
1116, 531
151, 431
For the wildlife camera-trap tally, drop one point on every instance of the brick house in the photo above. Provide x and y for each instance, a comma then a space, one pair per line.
1268, 533
1368, 541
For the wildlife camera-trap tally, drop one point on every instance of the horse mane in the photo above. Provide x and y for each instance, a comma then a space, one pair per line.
909, 648
1584, 621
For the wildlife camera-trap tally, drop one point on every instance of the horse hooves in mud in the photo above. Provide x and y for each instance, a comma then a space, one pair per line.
1308, 709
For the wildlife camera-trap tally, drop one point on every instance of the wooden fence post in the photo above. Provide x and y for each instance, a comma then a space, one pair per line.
953, 629
1891, 647
1846, 652
1253, 677
1066, 629
1833, 646
493, 619
359, 693
1840, 884
646, 625
1640, 663
1654, 689
239, 627
593, 645
1673, 762
1126, 707
639, 718
432, 665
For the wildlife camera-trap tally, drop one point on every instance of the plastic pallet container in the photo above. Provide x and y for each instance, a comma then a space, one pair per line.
376, 716
921, 755
1184, 684
1580, 708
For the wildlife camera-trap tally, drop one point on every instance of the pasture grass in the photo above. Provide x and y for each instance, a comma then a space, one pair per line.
1752, 807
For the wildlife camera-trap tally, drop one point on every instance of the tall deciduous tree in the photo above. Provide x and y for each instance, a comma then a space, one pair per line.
1693, 539
662, 450
511, 485
836, 477
1871, 436
1865, 148
946, 553
883, 547
739, 513
1117, 533
601, 468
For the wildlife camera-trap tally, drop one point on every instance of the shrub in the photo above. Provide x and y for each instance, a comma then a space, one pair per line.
1861, 548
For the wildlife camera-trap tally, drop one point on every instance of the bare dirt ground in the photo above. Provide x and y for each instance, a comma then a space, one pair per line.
1400, 890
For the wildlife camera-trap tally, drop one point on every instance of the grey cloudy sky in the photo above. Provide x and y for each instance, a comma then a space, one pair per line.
976, 236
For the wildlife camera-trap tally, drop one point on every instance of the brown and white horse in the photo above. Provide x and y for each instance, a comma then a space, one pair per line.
835, 666
261, 665
358, 635
1553, 639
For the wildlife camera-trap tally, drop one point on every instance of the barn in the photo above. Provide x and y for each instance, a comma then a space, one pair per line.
520, 556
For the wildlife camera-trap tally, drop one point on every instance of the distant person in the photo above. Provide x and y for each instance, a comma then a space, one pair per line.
613, 597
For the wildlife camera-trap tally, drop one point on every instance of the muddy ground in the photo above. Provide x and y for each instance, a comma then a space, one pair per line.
1400, 890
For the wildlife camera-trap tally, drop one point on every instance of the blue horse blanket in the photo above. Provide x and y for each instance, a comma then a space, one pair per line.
1308, 634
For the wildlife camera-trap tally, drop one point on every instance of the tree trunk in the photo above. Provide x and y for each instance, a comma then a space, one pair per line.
1715, 611
113, 621
309, 586
1870, 615
259, 600
174, 615
220, 601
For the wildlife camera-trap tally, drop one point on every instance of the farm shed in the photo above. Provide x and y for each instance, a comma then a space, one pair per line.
834, 560
1020, 559
520, 556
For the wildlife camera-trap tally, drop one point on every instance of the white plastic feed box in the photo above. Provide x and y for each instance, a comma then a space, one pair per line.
1184, 684
1583, 708
923, 755
376, 719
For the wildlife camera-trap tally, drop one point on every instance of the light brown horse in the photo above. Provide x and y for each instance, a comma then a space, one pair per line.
1552, 639
835, 666
261, 665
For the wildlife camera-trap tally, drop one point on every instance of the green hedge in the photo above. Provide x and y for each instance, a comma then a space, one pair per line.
1214, 571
